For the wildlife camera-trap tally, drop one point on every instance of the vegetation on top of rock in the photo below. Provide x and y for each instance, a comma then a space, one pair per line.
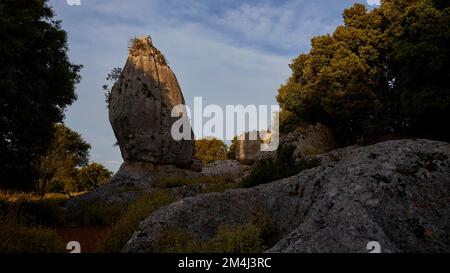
136, 44
383, 71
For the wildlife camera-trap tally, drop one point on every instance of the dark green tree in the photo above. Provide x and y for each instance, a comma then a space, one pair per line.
92, 176
37, 82
419, 32
59, 166
340, 82
382, 71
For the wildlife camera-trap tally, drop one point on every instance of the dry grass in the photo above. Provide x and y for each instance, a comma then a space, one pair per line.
14, 197
33, 209
16, 237
119, 233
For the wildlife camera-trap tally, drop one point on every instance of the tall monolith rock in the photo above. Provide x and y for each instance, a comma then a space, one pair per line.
140, 106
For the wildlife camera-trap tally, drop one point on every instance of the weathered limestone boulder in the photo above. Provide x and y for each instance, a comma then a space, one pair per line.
395, 192
140, 108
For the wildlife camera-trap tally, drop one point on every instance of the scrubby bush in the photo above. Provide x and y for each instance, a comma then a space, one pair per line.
121, 231
283, 165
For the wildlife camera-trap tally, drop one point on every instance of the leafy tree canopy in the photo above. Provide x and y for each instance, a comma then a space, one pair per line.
92, 176
382, 71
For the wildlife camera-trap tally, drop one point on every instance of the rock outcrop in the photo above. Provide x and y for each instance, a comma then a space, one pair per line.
140, 107
225, 168
395, 192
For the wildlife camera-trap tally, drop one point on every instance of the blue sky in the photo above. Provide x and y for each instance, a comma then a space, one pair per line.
226, 51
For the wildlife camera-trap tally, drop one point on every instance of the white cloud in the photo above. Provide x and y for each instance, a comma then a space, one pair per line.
374, 2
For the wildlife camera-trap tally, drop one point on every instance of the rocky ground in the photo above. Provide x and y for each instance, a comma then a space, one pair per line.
135, 178
395, 192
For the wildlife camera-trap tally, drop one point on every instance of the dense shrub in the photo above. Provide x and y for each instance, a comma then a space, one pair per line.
283, 165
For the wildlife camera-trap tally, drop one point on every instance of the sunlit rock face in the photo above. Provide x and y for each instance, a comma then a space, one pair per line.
140, 108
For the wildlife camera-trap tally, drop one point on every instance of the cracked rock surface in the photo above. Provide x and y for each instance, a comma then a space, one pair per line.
394, 192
